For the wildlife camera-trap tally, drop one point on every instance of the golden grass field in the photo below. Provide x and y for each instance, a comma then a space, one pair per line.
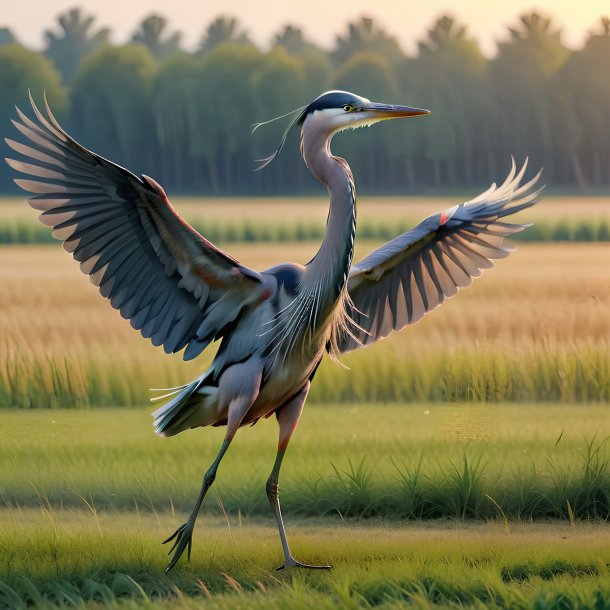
543, 293
534, 328
546, 305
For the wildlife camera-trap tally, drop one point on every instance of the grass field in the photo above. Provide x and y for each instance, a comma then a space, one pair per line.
536, 328
292, 219
69, 559
89, 495
391, 461
410, 473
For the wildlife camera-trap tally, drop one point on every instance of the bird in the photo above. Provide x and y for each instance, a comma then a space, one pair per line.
273, 327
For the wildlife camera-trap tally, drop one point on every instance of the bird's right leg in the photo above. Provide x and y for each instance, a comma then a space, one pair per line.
239, 387
288, 418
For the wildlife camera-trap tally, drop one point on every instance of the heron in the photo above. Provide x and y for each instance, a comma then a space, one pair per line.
273, 327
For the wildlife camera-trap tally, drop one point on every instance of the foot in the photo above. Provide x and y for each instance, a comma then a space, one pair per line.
291, 562
184, 539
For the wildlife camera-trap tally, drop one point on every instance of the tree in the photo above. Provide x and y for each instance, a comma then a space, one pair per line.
522, 78
448, 77
174, 102
222, 115
22, 70
535, 39
365, 35
368, 73
151, 33
585, 88
292, 39
314, 62
278, 84
223, 29
75, 41
6, 36
110, 105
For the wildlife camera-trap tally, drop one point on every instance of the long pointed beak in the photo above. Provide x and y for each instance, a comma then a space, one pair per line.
387, 111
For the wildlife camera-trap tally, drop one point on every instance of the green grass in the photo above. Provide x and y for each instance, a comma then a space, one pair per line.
114, 560
231, 231
392, 461
22, 231
417, 505
87, 496
300, 219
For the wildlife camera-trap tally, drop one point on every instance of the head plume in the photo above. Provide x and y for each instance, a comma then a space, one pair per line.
328, 100
300, 114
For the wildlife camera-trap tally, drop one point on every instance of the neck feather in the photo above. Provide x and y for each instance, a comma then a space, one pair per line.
317, 316
328, 271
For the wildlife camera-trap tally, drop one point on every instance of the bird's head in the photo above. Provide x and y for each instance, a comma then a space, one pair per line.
336, 111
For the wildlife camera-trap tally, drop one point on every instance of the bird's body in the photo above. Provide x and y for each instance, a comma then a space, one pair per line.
275, 326
283, 335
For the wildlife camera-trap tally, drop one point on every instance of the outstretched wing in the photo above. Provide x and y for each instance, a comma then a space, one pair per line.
398, 283
174, 286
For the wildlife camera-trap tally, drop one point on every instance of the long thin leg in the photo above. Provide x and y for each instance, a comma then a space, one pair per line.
288, 418
184, 534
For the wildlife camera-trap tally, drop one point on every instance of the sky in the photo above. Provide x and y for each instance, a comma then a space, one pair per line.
321, 20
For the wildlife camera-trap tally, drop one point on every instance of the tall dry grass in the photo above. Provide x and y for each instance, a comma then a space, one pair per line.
534, 328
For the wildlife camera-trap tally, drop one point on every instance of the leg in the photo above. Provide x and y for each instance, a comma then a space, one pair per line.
184, 534
288, 418
238, 407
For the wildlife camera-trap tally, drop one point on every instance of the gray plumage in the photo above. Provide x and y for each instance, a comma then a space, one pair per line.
182, 292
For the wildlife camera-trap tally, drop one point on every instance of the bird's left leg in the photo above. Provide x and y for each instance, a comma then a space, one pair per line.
239, 387
288, 418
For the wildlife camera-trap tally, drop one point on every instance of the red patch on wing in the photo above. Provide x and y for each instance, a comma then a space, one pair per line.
444, 218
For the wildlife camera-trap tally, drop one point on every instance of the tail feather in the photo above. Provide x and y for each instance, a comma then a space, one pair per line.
170, 412
168, 392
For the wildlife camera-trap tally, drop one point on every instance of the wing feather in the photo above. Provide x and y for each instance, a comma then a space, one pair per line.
161, 274
434, 260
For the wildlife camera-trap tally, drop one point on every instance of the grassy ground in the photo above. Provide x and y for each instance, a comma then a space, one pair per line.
391, 461
533, 329
301, 219
114, 560
88, 495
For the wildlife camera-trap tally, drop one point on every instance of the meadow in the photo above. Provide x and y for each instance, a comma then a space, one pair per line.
460, 463
533, 329
396, 461
73, 560
89, 495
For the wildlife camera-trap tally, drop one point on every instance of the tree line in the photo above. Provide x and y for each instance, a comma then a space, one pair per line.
186, 118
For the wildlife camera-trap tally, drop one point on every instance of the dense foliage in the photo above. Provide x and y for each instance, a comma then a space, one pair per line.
186, 118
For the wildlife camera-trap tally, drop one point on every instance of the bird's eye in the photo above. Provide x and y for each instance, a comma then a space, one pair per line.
348, 107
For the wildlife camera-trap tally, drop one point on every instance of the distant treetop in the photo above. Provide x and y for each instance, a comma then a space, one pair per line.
74, 41
152, 34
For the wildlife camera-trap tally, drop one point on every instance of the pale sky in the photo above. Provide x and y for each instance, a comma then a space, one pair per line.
321, 20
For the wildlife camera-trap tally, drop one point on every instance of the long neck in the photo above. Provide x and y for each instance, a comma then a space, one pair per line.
329, 268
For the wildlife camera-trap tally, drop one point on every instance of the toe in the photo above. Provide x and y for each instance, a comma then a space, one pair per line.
293, 563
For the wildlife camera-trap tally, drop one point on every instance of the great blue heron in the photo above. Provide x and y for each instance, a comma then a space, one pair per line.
181, 291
